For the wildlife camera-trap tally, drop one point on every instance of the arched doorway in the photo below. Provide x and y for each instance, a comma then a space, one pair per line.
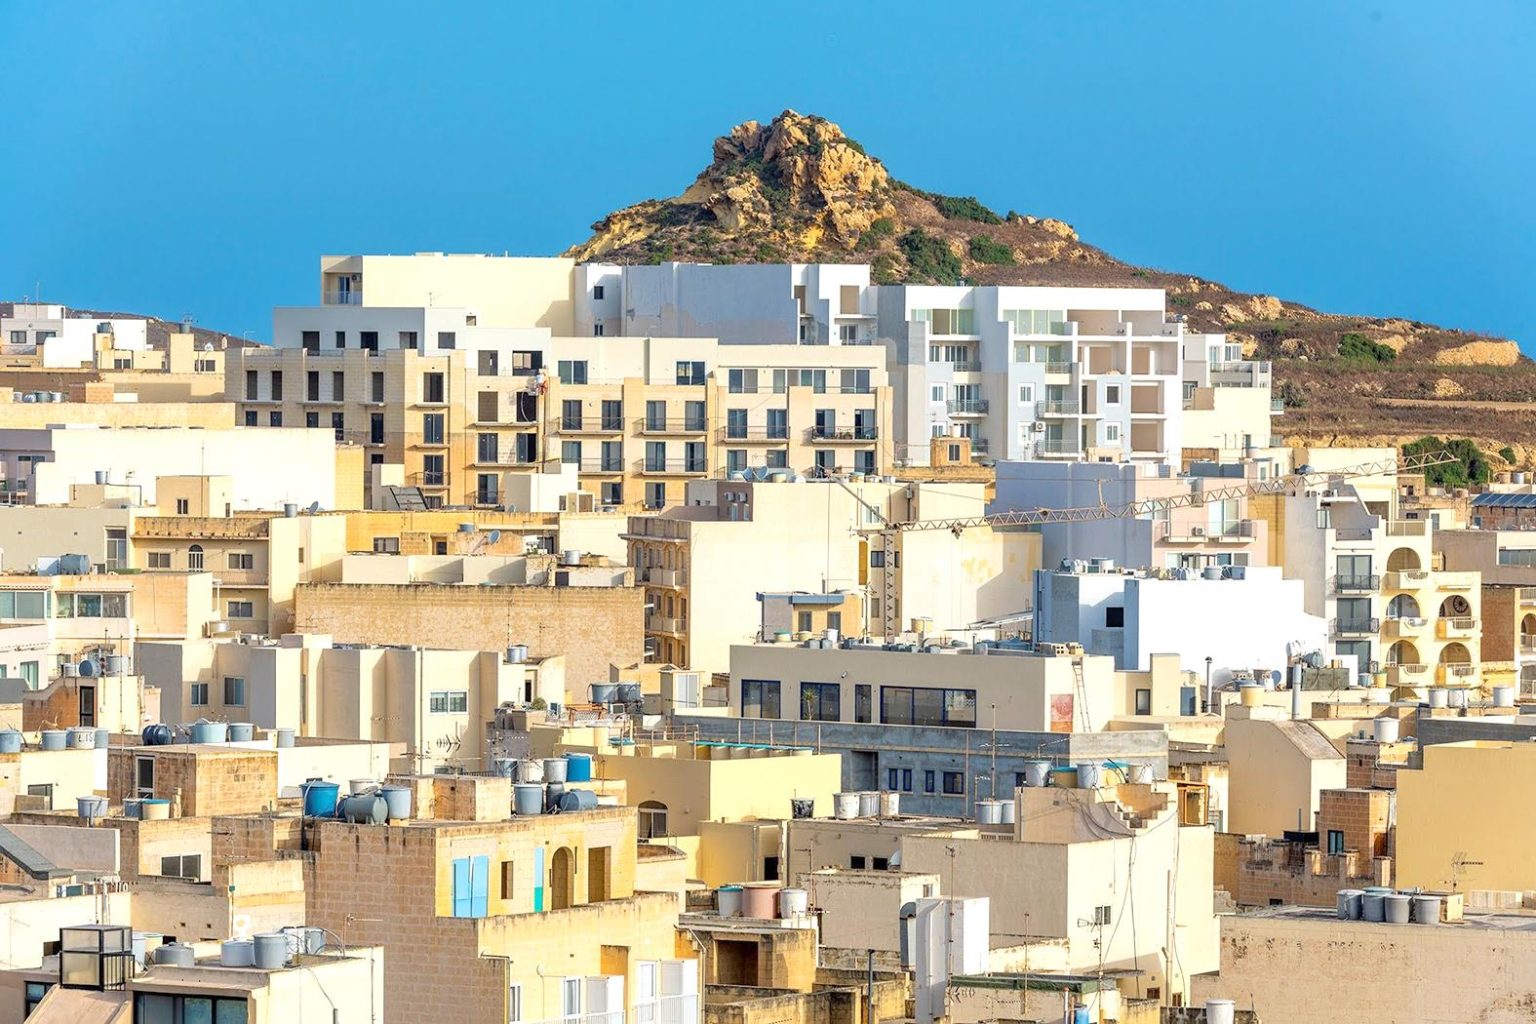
1403, 560
1528, 633
562, 879
653, 819
1403, 606
1455, 607
1403, 653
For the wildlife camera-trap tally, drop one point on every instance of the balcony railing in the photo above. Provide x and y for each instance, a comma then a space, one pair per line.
1403, 625
1276, 406
1527, 643
1199, 533
968, 407
425, 479
686, 425
1405, 579
1408, 528
980, 446
582, 425
662, 467
602, 465
1456, 673
340, 298
659, 577
1458, 627
662, 624
843, 433
1066, 408
965, 366
1356, 627
778, 433
1356, 583
1059, 446
1064, 369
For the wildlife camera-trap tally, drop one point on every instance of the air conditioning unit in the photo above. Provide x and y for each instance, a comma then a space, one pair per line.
1037, 427
1197, 531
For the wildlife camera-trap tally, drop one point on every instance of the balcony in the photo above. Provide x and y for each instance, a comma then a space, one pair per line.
1528, 597
687, 425
349, 297
1355, 627
778, 434
843, 433
980, 446
1406, 579
1527, 643
1457, 580
586, 426
663, 624
1406, 674
1242, 374
1405, 627
672, 467
1464, 674
1354, 584
1059, 446
1408, 528
659, 577
425, 479
1458, 628
1238, 531
965, 366
1276, 406
1059, 369
968, 407
1066, 408
602, 466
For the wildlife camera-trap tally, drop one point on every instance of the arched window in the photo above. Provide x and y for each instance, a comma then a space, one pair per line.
653, 820
195, 558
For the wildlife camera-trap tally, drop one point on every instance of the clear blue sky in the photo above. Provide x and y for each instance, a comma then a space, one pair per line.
173, 158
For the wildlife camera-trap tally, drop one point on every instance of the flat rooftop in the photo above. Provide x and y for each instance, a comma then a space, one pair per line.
1504, 920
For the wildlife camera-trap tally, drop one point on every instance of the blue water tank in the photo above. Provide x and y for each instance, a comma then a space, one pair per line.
157, 735
578, 800
604, 693
397, 799
241, 732
578, 767
629, 693
55, 739
319, 798
10, 742
204, 731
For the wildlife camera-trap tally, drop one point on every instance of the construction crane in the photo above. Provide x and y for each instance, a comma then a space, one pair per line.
1303, 477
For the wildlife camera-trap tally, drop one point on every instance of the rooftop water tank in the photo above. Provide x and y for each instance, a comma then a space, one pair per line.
271, 951
604, 693
1373, 906
154, 809
1349, 908
728, 901
1037, 773
10, 741
103, 738
1399, 907
760, 900
1009, 811
517, 654
241, 732
133, 807
1437, 696
989, 812
1088, 774
553, 791
890, 804
578, 767
506, 767
530, 771
204, 731
793, 903
1503, 696
1141, 774
802, 807
91, 807
157, 735
629, 693
237, 953
1212, 572
1220, 1011
55, 739
82, 739
869, 804
1456, 697
555, 769
175, 954
570, 556
1426, 909
397, 801
1385, 729
283, 738
845, 806
528, 798
577, 800
319, 798
365, 809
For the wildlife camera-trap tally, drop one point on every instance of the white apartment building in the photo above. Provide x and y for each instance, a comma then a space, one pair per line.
500, 291
65, 341
1239, 622
747, 304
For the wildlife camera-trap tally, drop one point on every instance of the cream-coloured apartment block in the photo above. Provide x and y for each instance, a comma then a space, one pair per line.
502, 291
821, 536
434, 703
440, 532
1451, 832
643, 416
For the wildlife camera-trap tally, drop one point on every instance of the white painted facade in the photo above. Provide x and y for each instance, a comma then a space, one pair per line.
65, 341
277, 466
1241, 624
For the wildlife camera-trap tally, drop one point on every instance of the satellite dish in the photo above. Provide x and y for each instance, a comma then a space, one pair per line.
494, 537
314, 507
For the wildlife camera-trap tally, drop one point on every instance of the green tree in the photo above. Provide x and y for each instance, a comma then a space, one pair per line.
929, 258
1470, 465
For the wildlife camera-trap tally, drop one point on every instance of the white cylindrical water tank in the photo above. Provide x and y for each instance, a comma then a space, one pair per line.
989, 812
1437, 696
237, 953
869, 804
1426, 909
793, 903
728, 901
1399, 907
1456, 697
1503, 696
845, 805
1220, 1011
1141, 774
890, 804
1088, 775
1009, 811
1386, 729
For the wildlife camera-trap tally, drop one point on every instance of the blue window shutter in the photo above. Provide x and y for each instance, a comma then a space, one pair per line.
461, 889
479, 886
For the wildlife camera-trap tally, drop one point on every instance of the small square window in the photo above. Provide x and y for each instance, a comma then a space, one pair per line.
597, 292
1026, 393
954, 784
1114, 618
1112, 394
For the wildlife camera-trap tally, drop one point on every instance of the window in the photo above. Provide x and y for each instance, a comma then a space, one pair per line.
432, 428
1026, 393
29, 674
376, 387
736, 423
778, 424
447, 339
341, 339
234, 691
312, 419
241, 560
155, 1008
250, 417
597, 293
613, 414
159, 559
862, 703
187, 865
821, 702
741, 382
407, 339
1112, 394
310, 340
274, 418
338, 386
954, 784
432, 470
1335, 842
487, 448
514, 1003
570, 414
1143, 702
693, 416
928, 780
386, 545
432, 387
848, 334
855, 382
471, 876
339, 426
508, 882
856, 862
183, 506
804, 622
487, 489
35, 989
899, 779
241, 609
652, 815
375, 428
923, 705
690, 372
195, 558
448, 702
572, 371
368, 340
1114, 618
597, 329
199, 695
880, 863
655, 495
760, 698
1111, 433
1101, 915
936, 393
144, 776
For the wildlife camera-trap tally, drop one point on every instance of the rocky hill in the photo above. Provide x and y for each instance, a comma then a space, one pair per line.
799, 189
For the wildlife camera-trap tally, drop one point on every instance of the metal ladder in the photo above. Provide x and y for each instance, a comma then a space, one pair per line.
1080, 694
